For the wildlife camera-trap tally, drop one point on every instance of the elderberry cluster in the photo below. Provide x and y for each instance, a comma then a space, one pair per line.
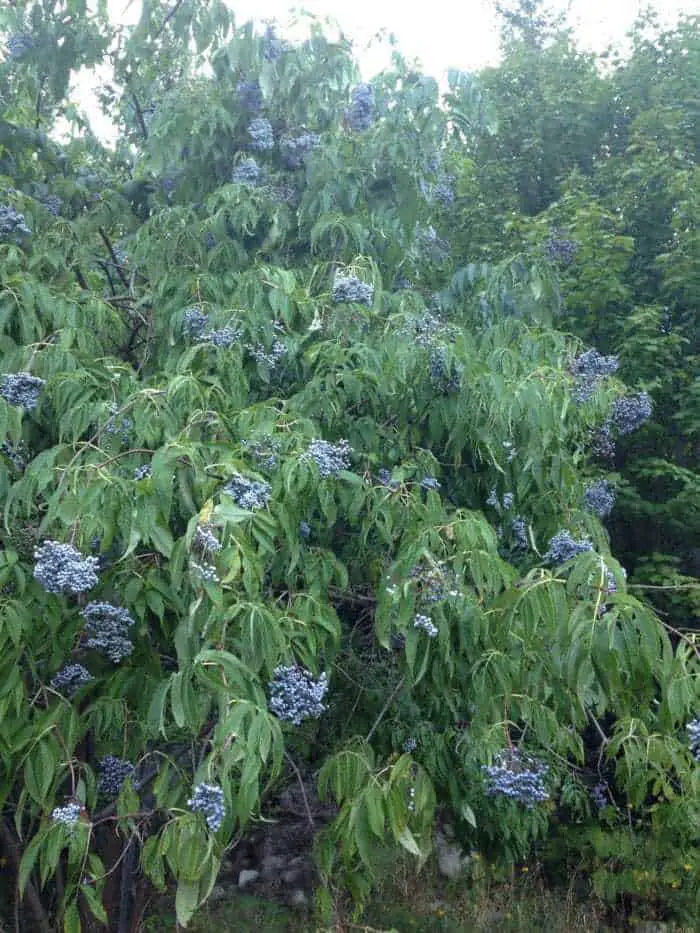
248, 493
262, 135
505, 504
206, 572
21, 389
432, 246
426, 624
444, 376
143, 472
208, 799
113, 772
70, 679
599, 794
630, 413
349, 289
517, 778
603, 442
599, 498
16, 454
401, 283
563, 547
429, 482
60, 568
68, 815
561, 250
360, 115
424, 329
247, 172
206, 540
295, 695
264, 451
518, 529
330, 458
384, 478
118, 424
272, 46
52, 203
693, 730
250, 95
588, 369
225, 337
19, 44
296, 149
410, 745
433, 582
107, 628
265, 358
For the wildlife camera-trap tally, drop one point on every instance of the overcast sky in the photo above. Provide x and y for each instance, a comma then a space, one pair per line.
442, 34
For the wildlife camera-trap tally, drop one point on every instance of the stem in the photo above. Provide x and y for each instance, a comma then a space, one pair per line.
110, 249
384, 708
11, 846
303, 792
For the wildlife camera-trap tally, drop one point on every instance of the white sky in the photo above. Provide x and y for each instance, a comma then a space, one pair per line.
442, 34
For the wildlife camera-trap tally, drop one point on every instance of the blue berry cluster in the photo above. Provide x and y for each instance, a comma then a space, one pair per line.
426, 624
505, 504
107, 628
296, 149
21, 389
588, 369
443, 191
52, 203
401, 283
599, 795
295, 695
599, 498
305, 530
630, 413
264, 451
432, 246
517, 778
444, 376
247, 172
272, 46
603, 442
68, 815
429, 482
267, 358
424, 329
384, 478
224, 338
349, 289
16, 454
19, 44
60, 568
143, 472
118, 424
250, 95
518, 529
560, 250
113, 772
206, 572
330, 458
361, 113
70, 679
206, 540
410, 745
563, 547
261, 133
208, 799
248, 493
693, 730
433, 582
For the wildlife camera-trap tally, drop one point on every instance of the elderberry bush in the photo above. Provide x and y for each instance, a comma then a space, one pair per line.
261, 134
295, 695
516, 777
330, 458
61, 568
250, 95
70, 679
248, 173
68, 815
112, 772
349, 289
360, 114
563, 547
693, 730
208, 799
599, 498
21, 390
296, 149
248, 493
107, 628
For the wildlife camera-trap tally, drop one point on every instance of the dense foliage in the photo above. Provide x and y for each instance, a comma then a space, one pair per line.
303, 466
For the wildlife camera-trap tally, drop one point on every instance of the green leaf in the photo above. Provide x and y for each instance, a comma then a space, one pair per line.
186, 901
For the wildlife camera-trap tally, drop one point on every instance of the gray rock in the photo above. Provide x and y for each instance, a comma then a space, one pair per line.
451, 858
298, 898
247, 876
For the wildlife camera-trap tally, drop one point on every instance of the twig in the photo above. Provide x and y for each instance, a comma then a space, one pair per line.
303, 791
685, 638
139, 115
173, 11
384, 708
117, 266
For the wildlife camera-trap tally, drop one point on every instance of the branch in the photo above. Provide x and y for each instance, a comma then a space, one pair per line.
303, 792
11, 846
173, 11
81, 279
382, 712
110, 248
139, 115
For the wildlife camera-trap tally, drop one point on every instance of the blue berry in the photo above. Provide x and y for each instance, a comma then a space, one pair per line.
208, 799
248, 173
426, 624
432, 246
265, 358
60, 568
330, 458
599, 793
429, 482
630, 413
410, 745
588, 369
693, 730
206, 572
142, 472
70, 679
272, 46
518, 529
384, 477
296, 149
599, 497
107, 627
225, 337
205, 539
68, 815
194, 322
261, 134
21, 390
305, 530
248, 493
295, 695
517, 778
361, 113
52, 203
